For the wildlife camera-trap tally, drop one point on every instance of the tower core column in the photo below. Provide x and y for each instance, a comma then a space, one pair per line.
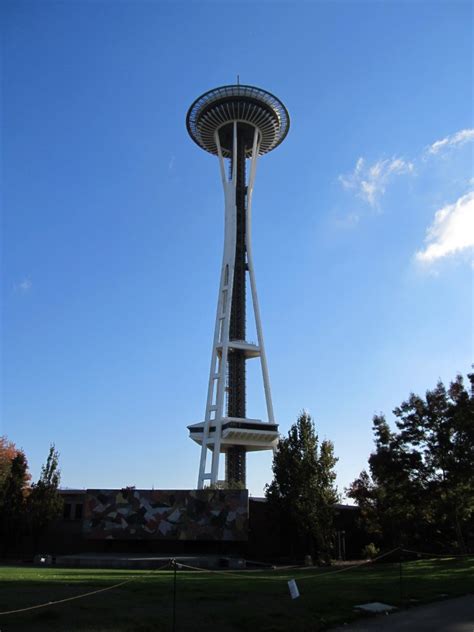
236, 379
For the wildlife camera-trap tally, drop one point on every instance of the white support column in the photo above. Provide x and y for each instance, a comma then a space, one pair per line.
217, 376
215, 403
253, 286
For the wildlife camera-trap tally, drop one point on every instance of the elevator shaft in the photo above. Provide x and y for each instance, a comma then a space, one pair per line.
236, 382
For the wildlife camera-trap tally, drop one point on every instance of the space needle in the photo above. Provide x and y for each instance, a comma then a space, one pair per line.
236, 123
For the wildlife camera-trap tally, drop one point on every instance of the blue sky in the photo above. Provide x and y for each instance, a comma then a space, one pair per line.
113, 223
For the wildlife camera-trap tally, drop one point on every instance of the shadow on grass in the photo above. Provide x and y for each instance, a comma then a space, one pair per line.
225, 603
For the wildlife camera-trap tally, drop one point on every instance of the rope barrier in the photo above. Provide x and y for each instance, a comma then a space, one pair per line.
87, 594
211, 572
53, 603
350, 568
437, 555
322, 573
264, 565
247, 573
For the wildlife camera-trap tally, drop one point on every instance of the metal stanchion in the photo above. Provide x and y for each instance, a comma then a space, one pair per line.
400, 573
174, 566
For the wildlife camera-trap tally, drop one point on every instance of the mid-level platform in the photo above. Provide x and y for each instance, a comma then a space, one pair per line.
254, 434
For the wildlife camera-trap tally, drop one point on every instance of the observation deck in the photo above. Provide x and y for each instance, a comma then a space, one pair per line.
251, 107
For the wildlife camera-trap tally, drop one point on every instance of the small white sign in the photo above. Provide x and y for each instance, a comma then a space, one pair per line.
294, 592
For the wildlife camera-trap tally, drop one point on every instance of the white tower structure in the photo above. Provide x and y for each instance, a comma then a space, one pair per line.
238, 124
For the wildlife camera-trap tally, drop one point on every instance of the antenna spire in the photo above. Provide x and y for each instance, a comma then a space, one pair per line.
238, 80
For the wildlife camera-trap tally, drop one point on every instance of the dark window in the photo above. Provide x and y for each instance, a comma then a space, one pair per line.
67, 511
79, 511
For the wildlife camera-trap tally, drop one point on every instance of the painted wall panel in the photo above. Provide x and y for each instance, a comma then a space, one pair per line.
133, 514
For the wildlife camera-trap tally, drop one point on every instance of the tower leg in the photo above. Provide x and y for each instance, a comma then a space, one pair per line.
226, 400
253, 286
218, 371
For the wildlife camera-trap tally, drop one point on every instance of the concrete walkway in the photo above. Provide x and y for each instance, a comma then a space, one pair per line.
451, 615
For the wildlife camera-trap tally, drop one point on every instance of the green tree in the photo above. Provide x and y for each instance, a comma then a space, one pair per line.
389, 499
13, 502
421, 488
303, 490
44, 502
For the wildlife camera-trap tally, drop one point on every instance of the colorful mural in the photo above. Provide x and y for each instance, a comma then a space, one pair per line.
133, 514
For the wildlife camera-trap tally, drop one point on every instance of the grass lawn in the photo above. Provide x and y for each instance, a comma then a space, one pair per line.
253, 600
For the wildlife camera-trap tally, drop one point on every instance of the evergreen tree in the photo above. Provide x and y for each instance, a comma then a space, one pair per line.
44, 502
303, 490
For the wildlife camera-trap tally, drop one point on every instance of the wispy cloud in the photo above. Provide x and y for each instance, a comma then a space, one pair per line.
24, 286
370, 181
452, 230
171, 163
347, 221
457, 139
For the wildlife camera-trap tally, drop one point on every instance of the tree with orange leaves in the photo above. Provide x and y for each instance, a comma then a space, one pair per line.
14, 479
8, 451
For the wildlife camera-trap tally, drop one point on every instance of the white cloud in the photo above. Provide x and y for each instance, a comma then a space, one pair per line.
24, 286
347, 221
452, 230
370, 181
459, 138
